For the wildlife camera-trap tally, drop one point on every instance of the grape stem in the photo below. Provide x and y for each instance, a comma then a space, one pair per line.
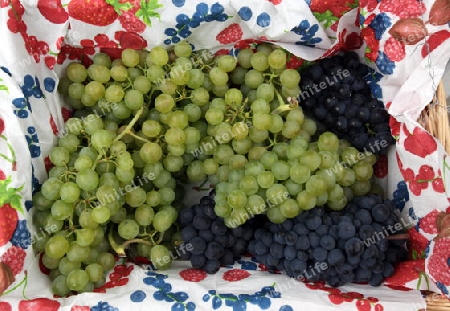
130, 125
120, 249
293, 104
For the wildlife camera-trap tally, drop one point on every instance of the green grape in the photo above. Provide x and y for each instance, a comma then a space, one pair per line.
192, 135
337, 205
176, 150
106, 260
218, 76
361, 187
178, 119
214, 116
195, 171
259, 61
233, 97
237, 199
95, 90
254, 168
328, 159
196, 78
255, 204
77, 280
256, 152
142, 84
296, 149
222, 154
227, 63
101, 59
133, 73
266, 91
102, 139
289, 208
305, 200
73, 126
158, 56
144, 215
210, 166
262, 121
155, 74
59, 286
51, 189
292, 187
153, 198
254, 78
258, 136
277, 193
160, 257
130, 57
61, 210
277, 59
311, 160
56, 247
99, 235
322, 199
76, 72
91, 124
222, 209
328, 176
101, 214
135, 197
153, 170
223, 133
244, 56
235, 176
265, 48
328, 142
237, 161
151, 152
316, 185
119, 216
119, 73
85, 237
220, 91
268, 159
128, 229
193, 112
290, 78
335, 193
363, 171
59, 156
167, 86
237, 76
162, 179
90, 152
134, 99
175, 136
95, 272
290, 129
151, 128
49, 262
87, 179
41, 203
171, 210
143, 250
114, 93
121, 111
274, 214
260, 105
369, 158
178, 75
296, 116
69, 142
281, 170
162, 220
200, 96
249, 185
309, 126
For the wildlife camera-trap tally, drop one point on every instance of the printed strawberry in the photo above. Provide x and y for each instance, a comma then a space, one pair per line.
130, 22
440, 13
406, 271
193, 275
394, 125
369, 4
352, 42
363, 305
434, 41
4, 3
368, 36
53, 126
409, 31
5, 306
409, 8
130, 40
231, 34
420, 143
139, 16
8, 223
438, 264
336, 299
438, 185
14, 258
417, 244
53, 11
80, 308
429, 223
294, 62
381, 167
96, 12
337, 8
235, 275
6, 277
41, 304
394, 49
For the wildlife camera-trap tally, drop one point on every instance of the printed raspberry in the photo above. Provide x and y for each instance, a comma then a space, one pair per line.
380, 23
235, 275
14, 258
80, 308
381, 167
417, 244
438, 265
407, 9
394, 49
130, 22
231, 34
193, 275
21, 237
406, 272
428, 223
384, 64
5, 306
368, 35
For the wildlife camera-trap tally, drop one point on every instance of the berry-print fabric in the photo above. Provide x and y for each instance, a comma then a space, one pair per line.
406, 45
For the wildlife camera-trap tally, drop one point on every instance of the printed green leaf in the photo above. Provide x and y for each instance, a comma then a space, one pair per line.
148, 10
326, 18
119, 7
15, 202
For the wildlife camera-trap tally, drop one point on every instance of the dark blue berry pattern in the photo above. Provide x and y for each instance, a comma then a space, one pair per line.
31, 88
103, 306
33, 141
6, 70
184, 23
401, 195
178, 300
35, 184
260, 299
380, 23
178, 3
263, 20
372, 80
247, 265
138, 296
307, 33
384, 64
21, 237
245, 13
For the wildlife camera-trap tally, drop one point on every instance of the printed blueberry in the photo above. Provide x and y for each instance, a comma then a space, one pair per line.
27, 90
240, 306
167, 41
167, 288
28, 80
49, 84
149, 280
248, 265
194, 23
263, 20
6, 70
209, 18
264, 303
216, 303
308, 2
217, 8
212, 292
21, 113
206, 297
442, 287
182, 19
170, 32
159, 295
190, 306
181, 296
286, 308
222, 17
28, 205
201, 8
178, 3
176, 39
21, 236
138, 296
19, 103
245, 13
185, 32
384, 64
31, 130
37, 93
35, 151
177, 307
103, 306
380, 23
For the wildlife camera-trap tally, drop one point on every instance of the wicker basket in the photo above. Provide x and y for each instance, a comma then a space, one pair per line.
436, 302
